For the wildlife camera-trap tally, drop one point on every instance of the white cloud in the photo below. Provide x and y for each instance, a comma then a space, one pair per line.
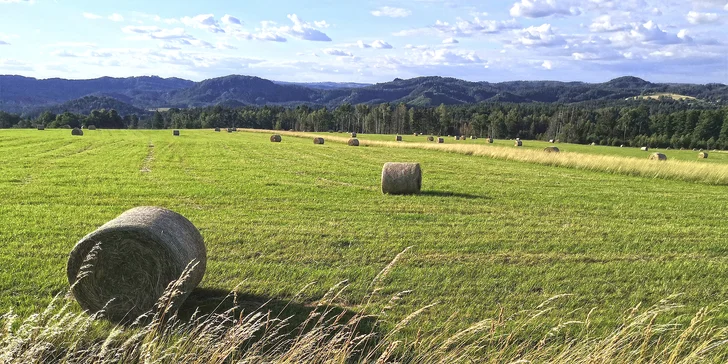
696, 18
2, 42
203, 21
547, 65
725, 7
337, 52
116, 17
466, 28
604, 24
321, 24
450, 41
380, 44
649, 33
230, 20
30, 2
300, 29
448, 57
153, 32
391, 12
225, 45
92, 16
542, 8
361, 44
540, 36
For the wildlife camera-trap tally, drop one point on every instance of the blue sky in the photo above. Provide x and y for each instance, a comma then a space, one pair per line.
368, 40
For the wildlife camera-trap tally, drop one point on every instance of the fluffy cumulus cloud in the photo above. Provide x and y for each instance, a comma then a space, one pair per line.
605, 23
469, 28
540, 36
92, 16
116, 17
203, 21
547, 65
230, 20
450, 41
448, 57
391, 12
696, 18
362, 45
337, 52
154, 32
651, 33
380, 44
542, 8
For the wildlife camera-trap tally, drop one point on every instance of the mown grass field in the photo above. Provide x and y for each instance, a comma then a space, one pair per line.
487, 234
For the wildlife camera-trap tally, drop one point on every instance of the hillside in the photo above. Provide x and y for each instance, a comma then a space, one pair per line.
26, 95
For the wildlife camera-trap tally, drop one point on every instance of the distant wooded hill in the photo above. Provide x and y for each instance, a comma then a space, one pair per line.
30, 96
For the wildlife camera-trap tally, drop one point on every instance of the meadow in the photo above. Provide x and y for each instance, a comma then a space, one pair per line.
489, 237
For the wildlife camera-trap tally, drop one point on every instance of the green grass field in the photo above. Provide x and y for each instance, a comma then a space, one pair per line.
487, 234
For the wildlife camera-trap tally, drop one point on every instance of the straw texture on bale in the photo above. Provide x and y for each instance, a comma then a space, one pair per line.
318, 140
76, 131
175, 132
401, 178
353, 135
132, 258
353, 142
703, 155
518, 143
658, 157
440, 140
644, 149
551, 150
275, 138
399, 138
91, 127
430, 138
41, 127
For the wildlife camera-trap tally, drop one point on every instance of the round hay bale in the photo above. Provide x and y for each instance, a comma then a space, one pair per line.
275, 138
473, 137
415, 134
430, 138
235, 129
77, 131
593, 144
621, 145
399, 138
440, 140
175, 132
551, 140
457, 138
91, 127
490, 140
401, 178
518, 143
41, 127
551, 150
217, 130
703, 155
644, 149
132, 259
229, 130
353, 142
658, 157
318, 140
353, 135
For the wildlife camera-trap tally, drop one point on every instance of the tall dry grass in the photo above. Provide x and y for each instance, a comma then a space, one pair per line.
671, 169
328, 335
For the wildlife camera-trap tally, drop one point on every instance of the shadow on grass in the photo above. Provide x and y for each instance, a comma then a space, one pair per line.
453, 194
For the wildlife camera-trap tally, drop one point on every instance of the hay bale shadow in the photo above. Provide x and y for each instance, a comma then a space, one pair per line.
436, 193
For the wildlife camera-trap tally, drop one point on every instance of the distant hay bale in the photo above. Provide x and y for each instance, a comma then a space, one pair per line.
473, 137
440, 140
229, 130
132, 258
456, 138
275, 138
551, 150
644, 149
518, 143
658, 157
353, 135
621, 146
551, 140
695, 149
91, 127
175, 132
399, 138
353, 142
217, 130
235, 129
430, 138
703, 155
415, 134
318, 140
490, 140
77, 131
593, 144
41, 127
401, 178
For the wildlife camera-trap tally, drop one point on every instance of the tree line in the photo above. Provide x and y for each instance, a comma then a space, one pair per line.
647, 123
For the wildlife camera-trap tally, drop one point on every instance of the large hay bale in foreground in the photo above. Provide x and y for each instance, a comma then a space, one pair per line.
132, 260
91, 127
275, 138
175, 132
318, 140
430, 138
644, 149
353, 142
77, 131
551, 150
703, 155
440, 140
401, 178
399, 138
518, 143
658, 157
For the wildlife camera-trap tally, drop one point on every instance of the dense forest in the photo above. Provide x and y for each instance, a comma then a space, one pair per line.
658, 123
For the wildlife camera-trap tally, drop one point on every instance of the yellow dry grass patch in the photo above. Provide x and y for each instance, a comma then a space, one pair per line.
665, 94
670, 169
